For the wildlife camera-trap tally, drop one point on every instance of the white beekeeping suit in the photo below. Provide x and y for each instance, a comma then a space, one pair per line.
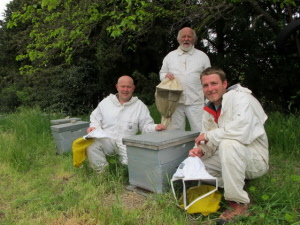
117, 121
238, 133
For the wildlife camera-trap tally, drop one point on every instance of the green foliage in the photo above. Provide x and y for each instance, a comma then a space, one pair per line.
58, 30
146, 87
257, 65
283, 133
72, 89
25, 137
9, 99
285, 2
129, 16
280, 198
59, 44
51, 39
282, 2
155, 114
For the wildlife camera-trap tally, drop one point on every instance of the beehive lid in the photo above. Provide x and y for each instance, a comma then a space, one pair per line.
161, 139
61, 121
69, 126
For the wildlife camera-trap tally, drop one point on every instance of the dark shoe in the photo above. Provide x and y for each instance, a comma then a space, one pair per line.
234, 210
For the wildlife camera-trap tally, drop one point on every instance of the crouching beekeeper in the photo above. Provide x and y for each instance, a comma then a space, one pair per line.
233, 144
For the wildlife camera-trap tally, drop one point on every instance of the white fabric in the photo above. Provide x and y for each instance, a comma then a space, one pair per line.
187, 67
98, 150
194, 114
97, 133
191, 168
238, 144
118, 121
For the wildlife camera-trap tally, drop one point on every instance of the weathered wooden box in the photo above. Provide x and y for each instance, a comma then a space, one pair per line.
153, 158
65, 133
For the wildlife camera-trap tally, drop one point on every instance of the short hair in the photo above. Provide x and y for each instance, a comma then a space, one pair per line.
214, 70
194, 34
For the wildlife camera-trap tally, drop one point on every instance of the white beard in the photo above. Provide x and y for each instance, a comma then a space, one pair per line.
186, 49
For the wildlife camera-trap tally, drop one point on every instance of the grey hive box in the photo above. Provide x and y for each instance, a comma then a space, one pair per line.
61, 121
65, 133
153, 158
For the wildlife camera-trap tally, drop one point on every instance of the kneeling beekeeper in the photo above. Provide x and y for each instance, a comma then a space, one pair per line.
117, 116
233, 144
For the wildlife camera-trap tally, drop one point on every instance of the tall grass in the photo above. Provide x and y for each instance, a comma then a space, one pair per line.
283, 134
40, 187
25, 139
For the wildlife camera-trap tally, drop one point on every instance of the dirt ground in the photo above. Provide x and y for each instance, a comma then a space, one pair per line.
131, 199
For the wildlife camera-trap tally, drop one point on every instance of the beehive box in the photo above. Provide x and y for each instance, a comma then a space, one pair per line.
154, 157
65, 133
61, 121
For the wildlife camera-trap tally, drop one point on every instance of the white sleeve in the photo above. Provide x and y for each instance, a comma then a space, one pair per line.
164, 69
146, 122
207, 62
96, 118
244, 125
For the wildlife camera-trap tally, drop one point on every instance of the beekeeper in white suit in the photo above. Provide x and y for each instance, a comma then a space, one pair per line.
118, 116
233, 144
186, 64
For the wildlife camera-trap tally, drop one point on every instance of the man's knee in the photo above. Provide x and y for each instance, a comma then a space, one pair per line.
231, 150
229, 144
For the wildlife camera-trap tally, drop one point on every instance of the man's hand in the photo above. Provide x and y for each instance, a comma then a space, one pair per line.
200, 138
90, 129
196, 152
170, 76
160, 127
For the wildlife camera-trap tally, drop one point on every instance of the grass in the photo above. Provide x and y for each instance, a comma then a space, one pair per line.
40, 187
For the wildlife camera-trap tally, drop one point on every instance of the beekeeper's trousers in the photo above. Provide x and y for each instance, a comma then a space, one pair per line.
192, 112
101, 147
232, 163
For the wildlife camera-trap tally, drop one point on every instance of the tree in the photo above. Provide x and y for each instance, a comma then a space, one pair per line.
76, 41
11, 82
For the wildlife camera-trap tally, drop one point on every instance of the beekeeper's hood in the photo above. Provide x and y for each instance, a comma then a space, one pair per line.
191, 168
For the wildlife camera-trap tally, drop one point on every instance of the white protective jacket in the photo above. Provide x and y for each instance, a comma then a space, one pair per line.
187, 67
122, 120
242, 119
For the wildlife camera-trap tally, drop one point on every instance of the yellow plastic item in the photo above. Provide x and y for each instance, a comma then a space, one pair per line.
207, 205
79, 150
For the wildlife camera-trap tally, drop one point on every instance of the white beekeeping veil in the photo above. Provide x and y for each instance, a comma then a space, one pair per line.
167, 96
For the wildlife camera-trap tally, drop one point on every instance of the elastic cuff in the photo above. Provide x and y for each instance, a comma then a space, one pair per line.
205, 137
